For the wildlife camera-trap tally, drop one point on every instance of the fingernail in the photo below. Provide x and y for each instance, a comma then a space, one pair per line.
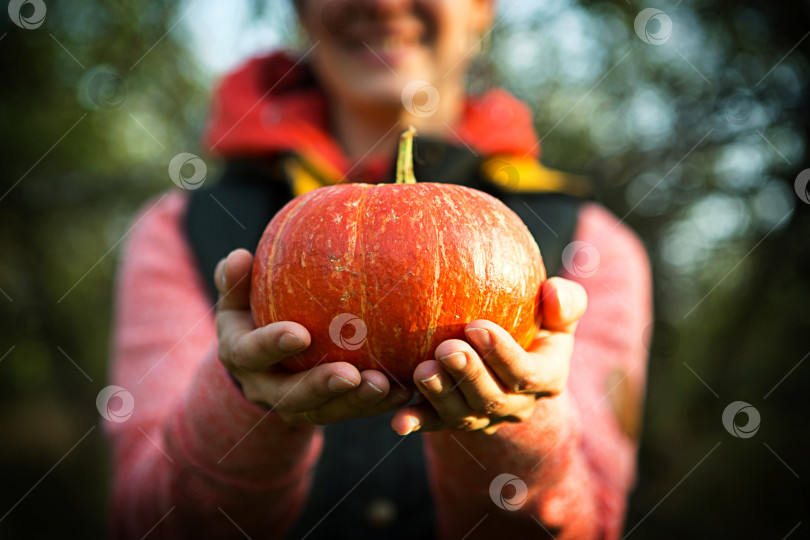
379, 390
433, 383
290, 342
339, 384
225, 271
455, 361
413, 425
566, 301
480, 338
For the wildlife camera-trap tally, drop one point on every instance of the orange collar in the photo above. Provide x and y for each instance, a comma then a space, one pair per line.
272, 104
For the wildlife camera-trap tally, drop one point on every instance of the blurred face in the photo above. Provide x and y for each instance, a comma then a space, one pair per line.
369, 50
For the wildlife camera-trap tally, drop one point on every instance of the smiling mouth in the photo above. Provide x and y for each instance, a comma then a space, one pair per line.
389, 42
389, 50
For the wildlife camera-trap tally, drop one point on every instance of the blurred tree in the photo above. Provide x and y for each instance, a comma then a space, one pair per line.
95, 101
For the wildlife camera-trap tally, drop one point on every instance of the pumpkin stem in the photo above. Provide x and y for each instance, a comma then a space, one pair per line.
405, 157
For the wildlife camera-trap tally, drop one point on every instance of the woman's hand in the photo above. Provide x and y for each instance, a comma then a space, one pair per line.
493, 381
325, 394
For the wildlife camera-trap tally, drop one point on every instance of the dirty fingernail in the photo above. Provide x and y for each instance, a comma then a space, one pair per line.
371, 384
433, 383
289, 342
339, 384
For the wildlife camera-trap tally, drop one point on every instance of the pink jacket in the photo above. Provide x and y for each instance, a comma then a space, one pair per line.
196, 459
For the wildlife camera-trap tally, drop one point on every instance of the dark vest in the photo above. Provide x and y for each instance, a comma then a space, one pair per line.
369, 482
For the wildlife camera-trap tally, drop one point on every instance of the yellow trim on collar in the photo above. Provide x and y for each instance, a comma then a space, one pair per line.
302, 180
517, 174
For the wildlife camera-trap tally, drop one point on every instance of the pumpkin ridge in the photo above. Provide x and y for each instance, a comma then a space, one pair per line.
436, 301
358, 278
288, 220
271, 313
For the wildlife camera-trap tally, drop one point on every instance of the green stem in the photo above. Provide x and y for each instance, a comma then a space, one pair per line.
405, 157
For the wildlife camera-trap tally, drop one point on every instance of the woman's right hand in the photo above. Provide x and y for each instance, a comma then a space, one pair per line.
325, 394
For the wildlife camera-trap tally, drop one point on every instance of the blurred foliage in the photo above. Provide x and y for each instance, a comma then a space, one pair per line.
91, 115
695, 142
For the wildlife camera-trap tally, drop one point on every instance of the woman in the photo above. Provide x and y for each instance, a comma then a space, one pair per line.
224, 442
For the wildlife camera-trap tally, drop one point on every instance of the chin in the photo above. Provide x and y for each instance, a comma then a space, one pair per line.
381, 90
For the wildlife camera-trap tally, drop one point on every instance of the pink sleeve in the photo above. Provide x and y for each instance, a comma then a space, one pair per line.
195, 458
576, 461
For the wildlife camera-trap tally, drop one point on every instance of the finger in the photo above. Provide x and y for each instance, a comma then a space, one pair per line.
245, 347
420, 417
481, 390
492, 429
374, 386
306, 390
439, 388
346, 407
543, 373
232, 279
563, 302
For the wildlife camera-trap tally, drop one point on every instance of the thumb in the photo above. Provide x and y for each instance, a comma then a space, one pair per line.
563, 302
232, 279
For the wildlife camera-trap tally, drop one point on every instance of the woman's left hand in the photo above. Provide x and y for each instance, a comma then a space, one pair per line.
489, 379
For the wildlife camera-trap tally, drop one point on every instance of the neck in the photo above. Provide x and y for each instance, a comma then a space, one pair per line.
368, 131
